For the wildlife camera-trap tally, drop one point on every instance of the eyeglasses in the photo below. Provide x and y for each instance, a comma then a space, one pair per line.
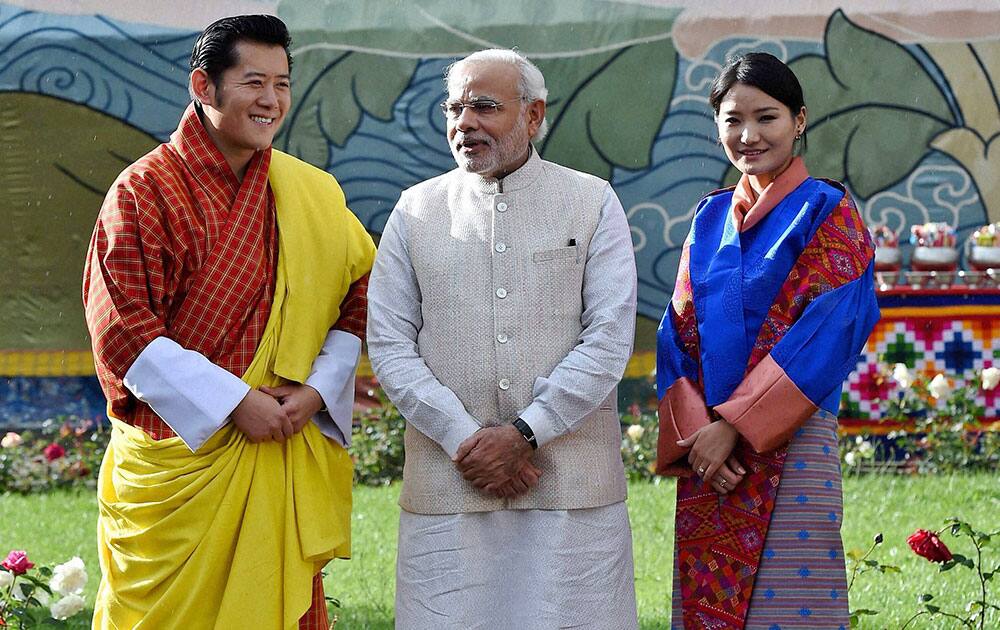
481, 107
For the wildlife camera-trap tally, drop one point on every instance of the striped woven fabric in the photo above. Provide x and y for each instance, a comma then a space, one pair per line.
802, 579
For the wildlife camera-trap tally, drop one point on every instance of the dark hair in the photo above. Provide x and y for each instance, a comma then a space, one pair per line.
765, 72
215, 49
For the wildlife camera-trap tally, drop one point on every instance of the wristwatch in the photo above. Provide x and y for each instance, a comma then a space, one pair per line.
526, 432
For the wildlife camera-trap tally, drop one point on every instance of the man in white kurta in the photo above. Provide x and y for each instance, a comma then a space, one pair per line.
501, 318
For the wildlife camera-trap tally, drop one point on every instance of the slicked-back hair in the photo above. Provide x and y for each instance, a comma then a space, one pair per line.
215, 50
765, 72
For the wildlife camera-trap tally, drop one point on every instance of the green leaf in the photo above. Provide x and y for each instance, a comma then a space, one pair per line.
888, 568
948, 566
864, 611
855, 121
855, 554
586, 127
337, 88
871, 563
926, 597
931, 608
356, 58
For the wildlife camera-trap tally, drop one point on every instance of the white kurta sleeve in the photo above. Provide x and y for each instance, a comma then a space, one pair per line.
394, 320
586, 376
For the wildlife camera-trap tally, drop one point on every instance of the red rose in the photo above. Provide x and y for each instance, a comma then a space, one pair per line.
53, 452
928, 545
17, 562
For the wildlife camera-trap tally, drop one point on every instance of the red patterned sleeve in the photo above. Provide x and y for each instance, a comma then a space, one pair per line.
123, 288
354, 309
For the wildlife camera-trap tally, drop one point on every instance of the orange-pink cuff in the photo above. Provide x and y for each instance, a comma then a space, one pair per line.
682, 412
767, 407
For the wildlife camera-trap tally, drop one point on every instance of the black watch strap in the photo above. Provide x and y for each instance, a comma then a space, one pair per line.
526, 432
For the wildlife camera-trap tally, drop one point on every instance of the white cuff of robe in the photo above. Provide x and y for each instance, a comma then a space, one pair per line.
190, 393
332, 376
543, 428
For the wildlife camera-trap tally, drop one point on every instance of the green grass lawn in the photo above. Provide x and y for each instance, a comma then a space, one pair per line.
54, 527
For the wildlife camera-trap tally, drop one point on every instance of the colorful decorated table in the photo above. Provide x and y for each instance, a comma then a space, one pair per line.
953, 331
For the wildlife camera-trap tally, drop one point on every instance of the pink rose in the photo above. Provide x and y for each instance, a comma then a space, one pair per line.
17, 562
53, 452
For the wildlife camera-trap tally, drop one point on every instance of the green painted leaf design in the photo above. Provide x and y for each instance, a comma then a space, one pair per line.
593, 128
860, 130
339, 86
355, 58
60, 158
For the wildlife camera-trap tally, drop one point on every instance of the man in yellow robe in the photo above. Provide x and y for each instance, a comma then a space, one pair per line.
224, 293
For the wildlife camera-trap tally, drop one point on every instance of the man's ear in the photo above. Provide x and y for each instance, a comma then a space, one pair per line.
536, 115
202, 88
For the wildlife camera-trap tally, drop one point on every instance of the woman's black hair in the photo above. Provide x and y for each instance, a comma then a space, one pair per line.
765, 72
215, 49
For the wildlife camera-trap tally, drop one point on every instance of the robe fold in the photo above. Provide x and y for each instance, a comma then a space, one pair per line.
252, 274
764, 325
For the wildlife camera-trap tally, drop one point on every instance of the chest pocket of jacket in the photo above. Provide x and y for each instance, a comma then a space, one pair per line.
556, 277
559, 253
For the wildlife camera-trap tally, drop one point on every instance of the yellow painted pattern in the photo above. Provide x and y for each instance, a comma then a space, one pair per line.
46, 363
939, 311
81, 363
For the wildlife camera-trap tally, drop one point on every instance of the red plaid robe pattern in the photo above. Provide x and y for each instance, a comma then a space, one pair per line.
177, 211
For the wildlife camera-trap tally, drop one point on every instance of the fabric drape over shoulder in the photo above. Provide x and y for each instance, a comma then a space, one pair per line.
763, 328
232, 535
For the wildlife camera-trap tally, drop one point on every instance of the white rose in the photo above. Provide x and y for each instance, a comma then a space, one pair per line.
902, 375
938, 386
66, 607
19, 594
6, 579
69, 578
634, 432
991, 377
10, 440
850, 458
865, 449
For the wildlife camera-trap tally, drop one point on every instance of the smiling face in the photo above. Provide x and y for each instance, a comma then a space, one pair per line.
757, 131
245, 109
491, 144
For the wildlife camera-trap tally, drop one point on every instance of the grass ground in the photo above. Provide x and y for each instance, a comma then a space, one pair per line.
54, 527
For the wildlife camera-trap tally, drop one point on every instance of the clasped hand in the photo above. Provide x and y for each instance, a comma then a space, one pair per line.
712, 458
276, 413
497, 460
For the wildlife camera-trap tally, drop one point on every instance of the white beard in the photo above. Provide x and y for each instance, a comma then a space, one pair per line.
498, 154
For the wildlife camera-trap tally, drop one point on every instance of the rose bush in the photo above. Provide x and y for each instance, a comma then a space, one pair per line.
26, 591
62, 453
927, 544
939, 427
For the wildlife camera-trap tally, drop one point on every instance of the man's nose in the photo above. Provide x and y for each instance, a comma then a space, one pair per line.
467, 119
268, 97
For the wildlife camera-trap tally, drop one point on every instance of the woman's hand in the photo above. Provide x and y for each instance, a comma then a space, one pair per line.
711, 455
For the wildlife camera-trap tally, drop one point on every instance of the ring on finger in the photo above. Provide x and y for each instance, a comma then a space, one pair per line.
722, 482
701, 470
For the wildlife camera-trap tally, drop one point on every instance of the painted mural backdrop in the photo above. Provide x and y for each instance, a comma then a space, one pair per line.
903, 108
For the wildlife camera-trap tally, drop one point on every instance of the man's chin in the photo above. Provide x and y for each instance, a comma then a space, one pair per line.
478, 167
